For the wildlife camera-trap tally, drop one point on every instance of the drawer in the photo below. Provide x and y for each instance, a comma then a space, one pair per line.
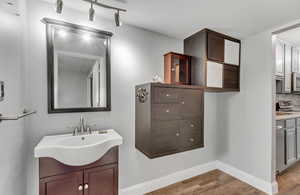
190, 139
164, 143
165, 95
191, 103
168, 128
194, 124
290, 124
165, 112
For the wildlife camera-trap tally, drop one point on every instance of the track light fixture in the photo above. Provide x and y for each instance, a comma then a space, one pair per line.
117, 19
59, 6
92, 13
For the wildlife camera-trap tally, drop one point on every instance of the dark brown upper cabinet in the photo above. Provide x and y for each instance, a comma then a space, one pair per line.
177, 69
215, 62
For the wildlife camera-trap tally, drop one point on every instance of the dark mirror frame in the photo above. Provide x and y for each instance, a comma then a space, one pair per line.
51, 25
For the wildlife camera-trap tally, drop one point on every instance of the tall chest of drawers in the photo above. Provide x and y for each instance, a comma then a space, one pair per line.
168, 118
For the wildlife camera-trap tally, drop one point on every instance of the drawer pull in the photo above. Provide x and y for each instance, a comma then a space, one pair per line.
167, 110
80, 188
167, 95
192, 140
182, 102
177, 134
86, 186
279, 127
192, 125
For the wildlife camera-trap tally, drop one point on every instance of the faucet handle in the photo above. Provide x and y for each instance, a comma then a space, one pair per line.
75, 132
89, 130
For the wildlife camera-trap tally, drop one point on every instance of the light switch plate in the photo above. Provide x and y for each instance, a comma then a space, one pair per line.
1, 91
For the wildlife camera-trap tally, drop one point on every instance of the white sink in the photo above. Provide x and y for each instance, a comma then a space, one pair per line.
77, 150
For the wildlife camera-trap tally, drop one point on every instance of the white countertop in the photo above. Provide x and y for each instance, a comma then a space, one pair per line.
291, 115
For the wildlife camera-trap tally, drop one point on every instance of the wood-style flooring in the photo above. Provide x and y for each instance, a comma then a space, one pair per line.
289, 181
212, 183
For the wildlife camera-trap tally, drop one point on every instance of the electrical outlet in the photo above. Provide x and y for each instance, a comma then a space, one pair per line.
1, 91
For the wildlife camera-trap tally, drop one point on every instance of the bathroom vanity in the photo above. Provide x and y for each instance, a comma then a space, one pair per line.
84, 164
169, 118
100, 177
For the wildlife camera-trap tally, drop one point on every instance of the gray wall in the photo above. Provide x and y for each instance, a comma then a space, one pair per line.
137, 55
13, 138
245, 125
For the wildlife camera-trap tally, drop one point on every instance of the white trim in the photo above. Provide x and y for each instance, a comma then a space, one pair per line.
152, 185
156, 184
267, 187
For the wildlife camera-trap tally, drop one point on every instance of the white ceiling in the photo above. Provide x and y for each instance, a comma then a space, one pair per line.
181, 18
291, 36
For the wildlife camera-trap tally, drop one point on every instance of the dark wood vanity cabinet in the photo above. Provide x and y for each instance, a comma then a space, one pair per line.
169, 118
215, 60
99, 178
177, 68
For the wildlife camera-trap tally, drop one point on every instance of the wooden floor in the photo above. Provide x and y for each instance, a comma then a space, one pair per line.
289, 181
212, 183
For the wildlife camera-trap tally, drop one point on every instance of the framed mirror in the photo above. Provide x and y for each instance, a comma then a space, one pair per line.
78, 68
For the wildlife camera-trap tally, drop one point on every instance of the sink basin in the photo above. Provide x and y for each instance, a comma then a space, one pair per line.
77, 150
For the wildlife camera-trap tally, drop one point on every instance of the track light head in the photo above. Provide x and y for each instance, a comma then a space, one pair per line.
59, 6
92, 13
117, 19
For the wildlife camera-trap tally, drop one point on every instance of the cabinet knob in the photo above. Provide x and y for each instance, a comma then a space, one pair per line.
86, 186
173, 69
192, 125
192, 140
167, 95
182, 102
168, 110
80, 188
279, 127
177, 134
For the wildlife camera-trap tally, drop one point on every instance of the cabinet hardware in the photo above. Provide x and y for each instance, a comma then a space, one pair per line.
86, 186
279, 127
177, 134
80, 188
173, 69
192, 125
182, 102
192, 140
168, 95
167, 110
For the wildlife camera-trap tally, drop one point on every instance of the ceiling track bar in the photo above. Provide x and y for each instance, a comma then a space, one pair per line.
105, 6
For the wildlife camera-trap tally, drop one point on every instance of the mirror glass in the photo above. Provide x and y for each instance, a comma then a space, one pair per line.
79, 69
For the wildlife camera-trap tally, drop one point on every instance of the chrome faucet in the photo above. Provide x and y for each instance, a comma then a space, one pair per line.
82, 126
82, 129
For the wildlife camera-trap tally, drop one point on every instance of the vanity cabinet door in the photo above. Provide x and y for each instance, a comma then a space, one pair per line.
295, 56
280, 146
67, 184
101, 180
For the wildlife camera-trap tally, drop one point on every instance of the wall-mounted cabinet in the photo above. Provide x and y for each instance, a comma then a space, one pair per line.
168, 118
177, 69
215, 60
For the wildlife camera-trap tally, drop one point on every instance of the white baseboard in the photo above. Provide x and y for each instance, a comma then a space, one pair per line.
152, 185
267, 187
156, 184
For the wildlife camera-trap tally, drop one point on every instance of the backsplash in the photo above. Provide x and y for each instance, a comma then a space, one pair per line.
292, 97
